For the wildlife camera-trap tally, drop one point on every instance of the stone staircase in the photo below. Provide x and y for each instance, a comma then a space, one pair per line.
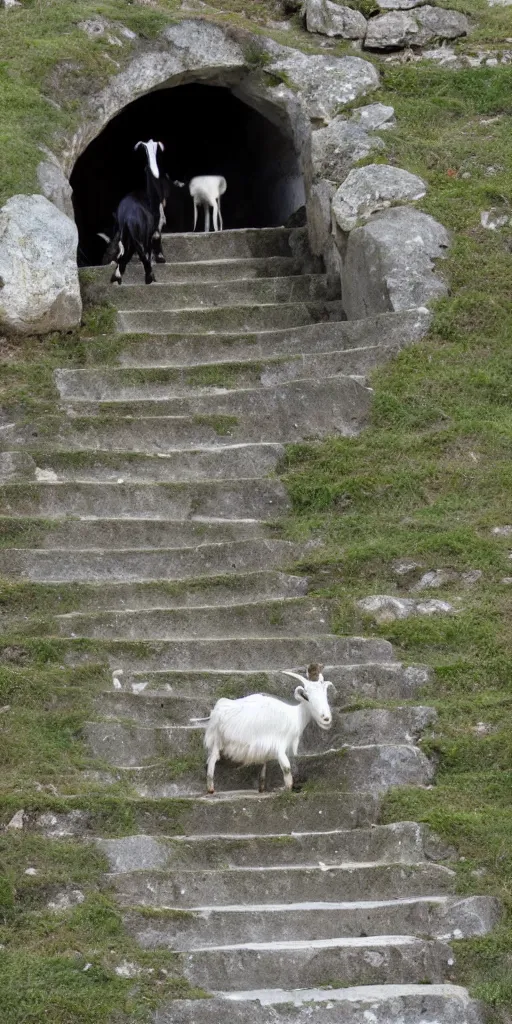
160, 479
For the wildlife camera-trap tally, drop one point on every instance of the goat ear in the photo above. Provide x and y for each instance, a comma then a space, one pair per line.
300, 693
294, 675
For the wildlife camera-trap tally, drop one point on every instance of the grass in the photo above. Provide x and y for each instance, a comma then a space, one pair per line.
428, 480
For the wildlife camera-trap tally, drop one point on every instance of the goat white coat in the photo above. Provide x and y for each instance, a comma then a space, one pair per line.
261, 728
206, 191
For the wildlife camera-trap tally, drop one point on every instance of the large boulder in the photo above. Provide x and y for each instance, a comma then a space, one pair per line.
325, 83
388, 263
371, 188
334, 20
335, 149
39, 288
399, 29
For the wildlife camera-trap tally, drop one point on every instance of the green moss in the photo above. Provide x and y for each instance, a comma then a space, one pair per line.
222, 425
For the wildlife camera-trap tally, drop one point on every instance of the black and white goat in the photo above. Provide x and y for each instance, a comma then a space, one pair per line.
139, 220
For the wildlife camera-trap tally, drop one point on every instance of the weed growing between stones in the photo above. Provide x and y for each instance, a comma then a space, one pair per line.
427, 481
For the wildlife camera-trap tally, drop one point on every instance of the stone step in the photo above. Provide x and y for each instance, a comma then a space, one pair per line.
226, 245
287, 413
256, 317
242, 499
162, 698
188, 466
133, 744
402, 843
145, 564
390, 331
380, 1004
183, 890
374, 960
153, 384
374, 768
227, 590
192, 295
302, 408
70, 534
254, 619
440, 917
207, 270
239, 812
253, 655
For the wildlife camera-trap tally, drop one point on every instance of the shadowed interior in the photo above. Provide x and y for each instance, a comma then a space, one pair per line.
205, 130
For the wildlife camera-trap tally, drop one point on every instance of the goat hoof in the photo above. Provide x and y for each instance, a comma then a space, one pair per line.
151, 280
160, 258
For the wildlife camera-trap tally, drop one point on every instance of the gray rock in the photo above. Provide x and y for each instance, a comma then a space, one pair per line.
435, 607
392, 31
471, 576
388, 264
385, 608
331, 19
502, 531
493, 220
402, 567
471, 915
66, 900
320, 223
368, 189
399, 29
438, 23
399, 5
373, 116
39, 287
326, 83
436, 578
335, 149
17, 820
53, 183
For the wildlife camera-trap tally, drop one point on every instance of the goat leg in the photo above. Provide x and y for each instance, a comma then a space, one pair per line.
262, 785
285, 766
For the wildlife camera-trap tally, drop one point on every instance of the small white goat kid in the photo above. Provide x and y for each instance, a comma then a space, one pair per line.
261, 728
206, 191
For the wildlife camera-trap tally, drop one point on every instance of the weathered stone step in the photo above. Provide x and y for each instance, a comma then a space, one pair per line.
266, 618
183, 890
149, 383
440, 917
196, 591
373, 960
253, 655
389, 330
165, 691
207, 270
380, 1004
245, 498
229, 318
402, 843
231, 244
374, 769
127, 533
188, 466
144, 564
302, 408
192, 295
133, 744
256, 813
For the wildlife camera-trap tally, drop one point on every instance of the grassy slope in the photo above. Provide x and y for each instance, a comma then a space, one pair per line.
431, 477
427, 481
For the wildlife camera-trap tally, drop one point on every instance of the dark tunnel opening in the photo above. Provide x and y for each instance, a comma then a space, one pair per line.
205, 130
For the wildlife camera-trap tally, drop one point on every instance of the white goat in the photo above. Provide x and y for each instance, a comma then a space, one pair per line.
206, 191
261, 728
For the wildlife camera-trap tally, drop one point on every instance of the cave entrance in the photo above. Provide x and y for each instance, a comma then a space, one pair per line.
205, 130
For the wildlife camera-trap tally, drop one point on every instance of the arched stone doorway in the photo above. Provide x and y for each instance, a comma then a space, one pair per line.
206, 129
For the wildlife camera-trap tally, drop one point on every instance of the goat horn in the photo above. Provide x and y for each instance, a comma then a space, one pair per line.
294, 675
